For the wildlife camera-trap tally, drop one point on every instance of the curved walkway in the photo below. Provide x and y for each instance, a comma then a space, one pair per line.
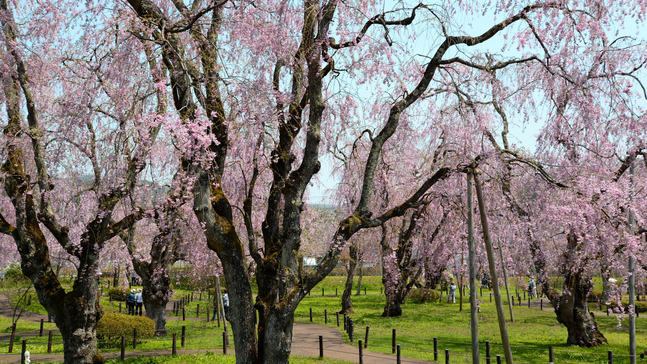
305, 342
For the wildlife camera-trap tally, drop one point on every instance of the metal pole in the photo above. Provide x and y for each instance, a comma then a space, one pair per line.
495, 280
471, 247
632, 278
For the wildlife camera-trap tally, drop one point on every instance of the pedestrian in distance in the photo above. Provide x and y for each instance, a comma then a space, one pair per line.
532, 288
139, 302
451, 297
130, 302
225, 304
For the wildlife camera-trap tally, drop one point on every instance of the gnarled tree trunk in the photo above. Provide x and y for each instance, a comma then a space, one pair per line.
571, 306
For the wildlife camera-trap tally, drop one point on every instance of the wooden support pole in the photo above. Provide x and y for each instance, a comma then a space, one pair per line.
507, 351
474, 320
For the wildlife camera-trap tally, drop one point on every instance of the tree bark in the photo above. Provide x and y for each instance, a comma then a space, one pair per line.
156, 293
571, 306
346, 300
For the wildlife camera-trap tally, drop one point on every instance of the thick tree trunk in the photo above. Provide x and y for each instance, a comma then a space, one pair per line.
571, 306
346, 300
156, 296
392, 308
78, 325
572, 311
277, 338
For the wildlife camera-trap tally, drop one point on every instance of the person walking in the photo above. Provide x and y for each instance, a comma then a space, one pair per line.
451, 297
139, 302
225, 304
532, 290
130, 302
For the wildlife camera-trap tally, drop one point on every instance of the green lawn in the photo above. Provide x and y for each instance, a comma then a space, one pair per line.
530, 335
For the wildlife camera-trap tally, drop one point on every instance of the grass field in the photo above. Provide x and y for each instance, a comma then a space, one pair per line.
530, 335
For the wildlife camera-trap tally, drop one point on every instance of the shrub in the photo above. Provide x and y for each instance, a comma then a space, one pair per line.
118, 293
113, 325
641, 306
595, 295
14, 277
421, 295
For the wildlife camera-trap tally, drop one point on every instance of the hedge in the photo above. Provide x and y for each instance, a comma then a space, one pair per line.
113, 325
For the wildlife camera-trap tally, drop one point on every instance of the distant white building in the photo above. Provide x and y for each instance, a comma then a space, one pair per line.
309, 262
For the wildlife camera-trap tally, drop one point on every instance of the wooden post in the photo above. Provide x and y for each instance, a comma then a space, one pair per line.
42, 323
505, 281
326, 316
498, 359
119, 307
22, 352
393, 342
398, 356
493, 273
364, 290
474, 320
197, 311
551, 360
224, 343
487, 352
183, 336
541, 304
174, 347
321, 346
135, 338
49, 342
361, 356
310, 314
435, 348
337, 313
446, 356
322, 292
123, 347
351, 329
610, 354
366, 338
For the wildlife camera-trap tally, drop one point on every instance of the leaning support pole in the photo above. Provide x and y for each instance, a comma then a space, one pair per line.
505, 281
495, 279
471, 247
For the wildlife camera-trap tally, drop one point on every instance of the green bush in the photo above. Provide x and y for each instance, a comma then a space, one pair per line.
113, 325
595, 295
118, 293
13, 275
641, 306
421, 295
